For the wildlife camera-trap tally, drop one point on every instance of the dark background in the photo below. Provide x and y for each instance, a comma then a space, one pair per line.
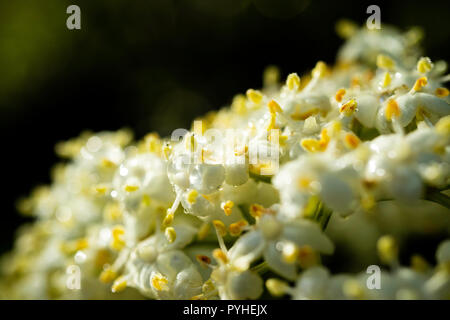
154, 66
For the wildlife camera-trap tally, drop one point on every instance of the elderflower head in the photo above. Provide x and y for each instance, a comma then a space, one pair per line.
353, 156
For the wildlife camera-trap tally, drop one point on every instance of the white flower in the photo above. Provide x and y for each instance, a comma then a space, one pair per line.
279, 243
159, 269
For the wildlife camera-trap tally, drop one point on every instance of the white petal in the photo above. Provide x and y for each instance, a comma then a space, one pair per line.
367, 110
274, 259
244, 285
336, 193
312, 284
247, 248
308, 233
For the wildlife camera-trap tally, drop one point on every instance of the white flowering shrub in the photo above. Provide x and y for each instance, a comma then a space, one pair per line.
352, 159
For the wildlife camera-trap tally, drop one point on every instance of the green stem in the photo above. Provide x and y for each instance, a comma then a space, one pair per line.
258, 177
246, 214
433, 195
261, 268
325, 217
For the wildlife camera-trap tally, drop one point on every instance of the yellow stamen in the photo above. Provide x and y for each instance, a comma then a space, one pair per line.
273, 120
106, 163
290, 252
118, 241
339, 95
293, 81
274, 107
131, 188
192, 196
168, 219
324, 137
101, 189
227, 207
420, 83
311, 145
386, 80
256, 210
254, 96
424, 65
159, 282
348, 108
385, 62
170, 234
220, 227
320, 70
107, 275
119, 285
387, 249
277, 287
392, 110
236, 228
442, 92
351, 141
220, 256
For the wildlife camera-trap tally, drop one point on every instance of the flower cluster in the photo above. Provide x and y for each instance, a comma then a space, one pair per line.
348, 160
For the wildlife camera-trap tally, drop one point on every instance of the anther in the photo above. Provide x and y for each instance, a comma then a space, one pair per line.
348, 108
131, 188
339, 95
384, 62
424, 65
170, 234
442, 92
119, 285
293, 81
237, 227
420, 83
254, 96
220, 227
220, 256
392, 110
227, 207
